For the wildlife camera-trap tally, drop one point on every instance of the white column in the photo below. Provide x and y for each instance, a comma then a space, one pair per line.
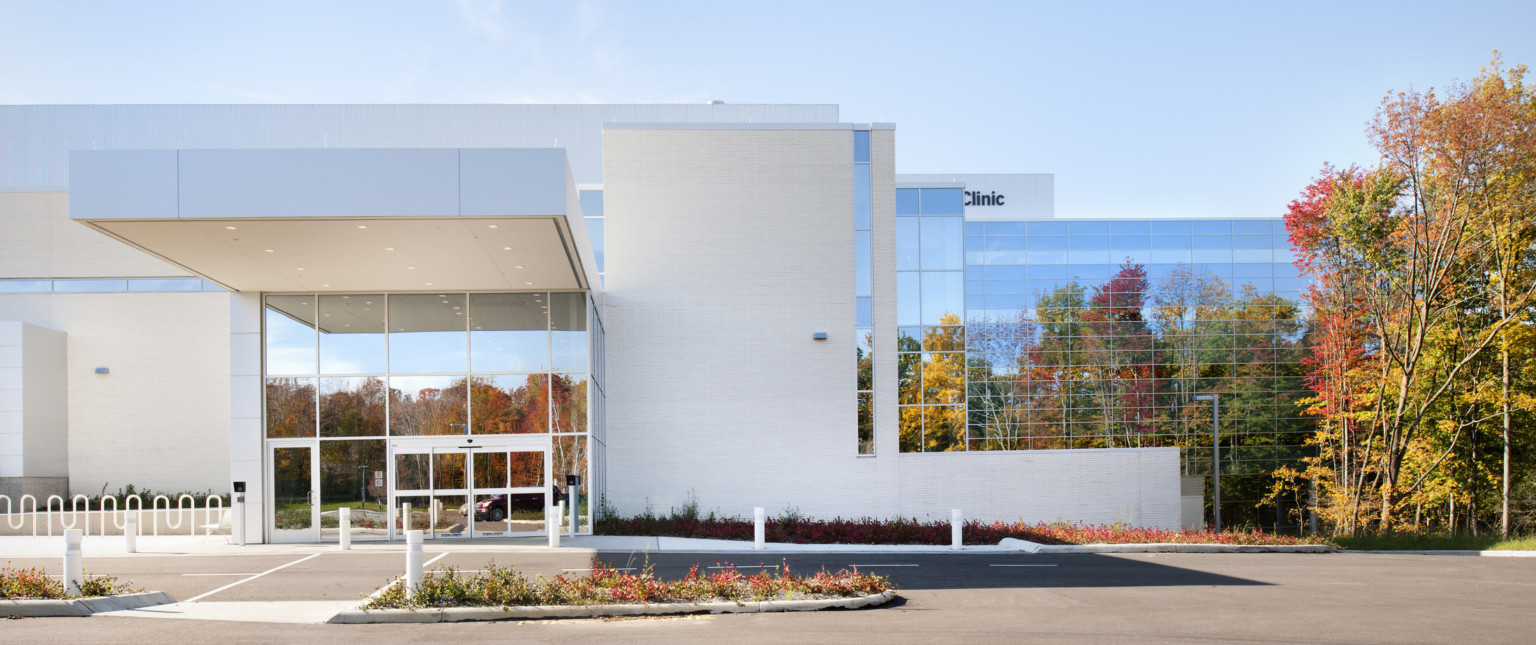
344, 520
956, 521
130, 531
245, 392
759, 528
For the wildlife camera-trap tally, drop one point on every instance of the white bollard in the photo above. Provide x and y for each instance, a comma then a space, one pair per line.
74, 564
405, 517
759, 528
344, 520
575, 502
412, 561
131, 531
237, 518
955, 522
552, 525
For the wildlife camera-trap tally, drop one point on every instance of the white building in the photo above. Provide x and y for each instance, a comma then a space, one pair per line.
438, 305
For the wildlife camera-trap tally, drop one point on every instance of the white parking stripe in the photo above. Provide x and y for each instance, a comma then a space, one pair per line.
884, 565
609, 568
240, 582
218, 574
1021, 565
748, 566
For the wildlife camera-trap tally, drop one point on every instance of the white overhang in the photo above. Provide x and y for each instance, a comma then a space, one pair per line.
344, 220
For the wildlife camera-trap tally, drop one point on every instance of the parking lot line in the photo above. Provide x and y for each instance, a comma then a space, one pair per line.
218, 574
884, 565
239, 582
1021, 565
590, 569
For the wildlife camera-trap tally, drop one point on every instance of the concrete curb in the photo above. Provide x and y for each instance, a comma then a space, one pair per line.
458, 614
1163, 547
1470, 553
83, 606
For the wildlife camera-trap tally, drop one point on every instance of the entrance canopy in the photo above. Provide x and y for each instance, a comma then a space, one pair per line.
344, 220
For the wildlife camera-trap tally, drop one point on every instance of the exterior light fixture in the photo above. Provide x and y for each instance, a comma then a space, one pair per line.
103, 370
820, 335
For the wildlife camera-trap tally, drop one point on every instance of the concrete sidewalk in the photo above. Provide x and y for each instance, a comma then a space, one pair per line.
151, 546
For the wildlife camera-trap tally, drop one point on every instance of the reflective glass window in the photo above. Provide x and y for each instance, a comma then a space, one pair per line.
863, 311
290, 407
943, 428
861, 205
906, 201
862, 264
1170, 256
427, 333
1211, 255
1252, 255
509, 404
595, 236
1007, 228
427, 405
1211, 242
861, 145
908, 298
1251, 242
1212, 227
290, 335
89, 286
25, 286
1169, 228
568, 402
1007, 272
1088, 228
942, 201
170, 284
1046, 228
591, 203
864, 344
1130, 241
1012, 243
352, 334
908, 235
1251, 227
1040, 242
1088, 242
1130, 228
943, 297
568, 331
942, 243
1257, 269
975, 228
1044, 257
1087, 256
352, 407
507, 332
1170, 241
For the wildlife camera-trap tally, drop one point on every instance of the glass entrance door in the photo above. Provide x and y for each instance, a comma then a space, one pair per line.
462, 491
294, 493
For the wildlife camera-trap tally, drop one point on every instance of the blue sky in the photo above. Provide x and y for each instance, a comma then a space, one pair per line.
1164, 109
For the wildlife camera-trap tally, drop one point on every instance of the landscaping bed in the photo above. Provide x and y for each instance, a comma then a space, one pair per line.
33, 584
795, 530
505, 587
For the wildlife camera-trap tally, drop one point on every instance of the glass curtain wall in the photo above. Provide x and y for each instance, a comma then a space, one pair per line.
1098, 334
930, 303
352, 370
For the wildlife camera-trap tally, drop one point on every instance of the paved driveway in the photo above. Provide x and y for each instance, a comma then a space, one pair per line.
1280, 598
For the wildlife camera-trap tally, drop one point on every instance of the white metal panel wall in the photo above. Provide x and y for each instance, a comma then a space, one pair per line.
35, 140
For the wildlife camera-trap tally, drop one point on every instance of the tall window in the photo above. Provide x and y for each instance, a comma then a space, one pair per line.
863, 271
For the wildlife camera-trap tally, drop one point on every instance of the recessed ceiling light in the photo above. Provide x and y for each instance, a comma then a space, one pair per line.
429, 284
527, 283
343, 297
458, 313
456, 307
491, 226
367, 302
411, 268
229, 228
367, 308
361, 226
517, 266
347, 325
326, 285
271, 251
389, 248
327, 315
506, 248
300, 268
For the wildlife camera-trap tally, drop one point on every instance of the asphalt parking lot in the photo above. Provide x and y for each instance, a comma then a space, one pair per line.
1265, 598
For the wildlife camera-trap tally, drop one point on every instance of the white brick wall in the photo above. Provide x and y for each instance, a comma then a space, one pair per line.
40, 241
726, 250
160, 418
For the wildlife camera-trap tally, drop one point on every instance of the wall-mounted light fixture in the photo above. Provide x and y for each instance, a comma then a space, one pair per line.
820, 335
102, 370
